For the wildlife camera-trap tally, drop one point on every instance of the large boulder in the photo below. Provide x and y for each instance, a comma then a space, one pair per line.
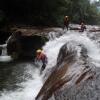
72, 76
20, 46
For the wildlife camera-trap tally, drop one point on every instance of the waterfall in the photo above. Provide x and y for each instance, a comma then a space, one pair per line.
31, 87
4, 49
4, 56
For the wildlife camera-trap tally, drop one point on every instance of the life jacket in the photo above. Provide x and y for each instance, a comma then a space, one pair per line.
42, 57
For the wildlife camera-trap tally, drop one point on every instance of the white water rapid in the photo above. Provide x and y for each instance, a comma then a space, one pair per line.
29, 89
32, 86
52, 47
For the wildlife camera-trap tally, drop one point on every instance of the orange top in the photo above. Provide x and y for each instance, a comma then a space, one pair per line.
41, 56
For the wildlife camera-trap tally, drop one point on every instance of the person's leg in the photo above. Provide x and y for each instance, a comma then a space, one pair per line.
67, 26
42, 68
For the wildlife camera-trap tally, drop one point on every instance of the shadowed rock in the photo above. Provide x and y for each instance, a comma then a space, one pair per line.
24, 46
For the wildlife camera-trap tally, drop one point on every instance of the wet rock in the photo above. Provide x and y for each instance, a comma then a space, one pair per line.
74, 28
72, 72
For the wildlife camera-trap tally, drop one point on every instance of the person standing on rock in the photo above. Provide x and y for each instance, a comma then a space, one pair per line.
66, 22
41, 56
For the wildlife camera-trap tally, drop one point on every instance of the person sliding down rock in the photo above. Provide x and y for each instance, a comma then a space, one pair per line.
41, 56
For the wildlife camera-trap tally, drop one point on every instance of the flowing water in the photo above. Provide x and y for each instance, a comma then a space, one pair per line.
4, 57
22, 81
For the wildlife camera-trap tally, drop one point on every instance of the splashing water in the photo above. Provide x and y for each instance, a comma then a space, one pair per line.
29, 89
32, 86
52, 47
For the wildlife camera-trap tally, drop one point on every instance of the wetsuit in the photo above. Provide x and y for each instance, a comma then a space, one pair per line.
66, 23
43, 58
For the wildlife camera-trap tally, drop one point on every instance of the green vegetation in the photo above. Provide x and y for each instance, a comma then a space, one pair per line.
82, 10
3, 20
48, 12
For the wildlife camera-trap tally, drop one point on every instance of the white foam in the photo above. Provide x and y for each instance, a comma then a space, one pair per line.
5, 58
52, 47
30, 88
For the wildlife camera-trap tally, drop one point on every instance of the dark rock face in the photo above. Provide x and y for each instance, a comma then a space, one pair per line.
4, 36
72, 72
24, 46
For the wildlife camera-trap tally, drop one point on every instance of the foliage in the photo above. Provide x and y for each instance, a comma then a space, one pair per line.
49, 12
82, 10
2, 19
